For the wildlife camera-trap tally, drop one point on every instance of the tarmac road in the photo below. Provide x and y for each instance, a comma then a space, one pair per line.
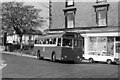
24, 67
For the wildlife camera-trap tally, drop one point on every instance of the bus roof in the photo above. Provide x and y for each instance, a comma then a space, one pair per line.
59, 35
50, 36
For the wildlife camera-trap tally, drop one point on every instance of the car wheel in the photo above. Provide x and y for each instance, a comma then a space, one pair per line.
53, 57
109, 61
91, 60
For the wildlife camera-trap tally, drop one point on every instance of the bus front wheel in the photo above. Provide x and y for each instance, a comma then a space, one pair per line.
53, 58
91, 60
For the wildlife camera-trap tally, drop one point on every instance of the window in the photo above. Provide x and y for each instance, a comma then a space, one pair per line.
102, 17
69, 3
93, 39
76, 43
110, 45
101, 14
117, 47
52, 41
67, 42
101, 1
70, 20
46, 41
59, 42
117, 38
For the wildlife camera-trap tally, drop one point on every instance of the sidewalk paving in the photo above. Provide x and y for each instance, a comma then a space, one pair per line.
19, 54
27, 55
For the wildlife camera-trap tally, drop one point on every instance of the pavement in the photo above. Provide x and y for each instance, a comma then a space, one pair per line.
26, 55
2, 64
19, 54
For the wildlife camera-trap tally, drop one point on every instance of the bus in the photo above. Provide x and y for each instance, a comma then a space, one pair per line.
67, 46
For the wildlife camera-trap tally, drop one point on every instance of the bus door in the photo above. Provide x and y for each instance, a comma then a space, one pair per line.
67, 47
78, 47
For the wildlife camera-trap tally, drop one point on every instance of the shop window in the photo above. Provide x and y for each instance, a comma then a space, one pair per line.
118, 48
102, 39
110, 39
92, 44
102, 44
110, 45
93, 39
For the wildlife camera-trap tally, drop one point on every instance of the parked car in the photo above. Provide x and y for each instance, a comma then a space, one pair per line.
11, 47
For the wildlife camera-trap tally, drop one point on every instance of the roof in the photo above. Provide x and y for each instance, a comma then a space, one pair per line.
50, 36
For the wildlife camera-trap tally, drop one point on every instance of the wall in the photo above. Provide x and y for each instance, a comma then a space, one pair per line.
119, 13
85, 14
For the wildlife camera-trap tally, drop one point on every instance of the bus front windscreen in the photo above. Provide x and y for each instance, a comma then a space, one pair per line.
67, 42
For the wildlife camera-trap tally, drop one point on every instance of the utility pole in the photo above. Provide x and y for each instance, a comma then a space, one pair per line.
50, 14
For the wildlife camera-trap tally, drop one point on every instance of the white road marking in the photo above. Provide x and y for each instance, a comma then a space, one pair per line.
3, 64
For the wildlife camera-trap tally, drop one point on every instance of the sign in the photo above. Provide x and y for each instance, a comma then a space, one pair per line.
70, 3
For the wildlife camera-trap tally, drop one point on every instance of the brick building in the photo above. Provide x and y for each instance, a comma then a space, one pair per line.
98, 22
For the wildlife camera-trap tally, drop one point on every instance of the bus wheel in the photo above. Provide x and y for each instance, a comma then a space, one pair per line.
38, 54
53, 58
109, 61
91, 60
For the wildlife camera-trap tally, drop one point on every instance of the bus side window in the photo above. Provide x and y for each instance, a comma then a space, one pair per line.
59, 42
50, 41
44, 41
35, 41
54, 41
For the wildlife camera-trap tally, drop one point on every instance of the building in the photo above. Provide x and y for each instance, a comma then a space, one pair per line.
97, 21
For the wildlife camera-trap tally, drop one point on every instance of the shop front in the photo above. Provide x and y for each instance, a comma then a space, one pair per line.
102, 45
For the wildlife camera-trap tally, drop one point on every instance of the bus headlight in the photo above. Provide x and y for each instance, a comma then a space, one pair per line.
62, 58
78, 57
65, 56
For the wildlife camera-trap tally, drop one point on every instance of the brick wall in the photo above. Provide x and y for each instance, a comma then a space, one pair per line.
85, 14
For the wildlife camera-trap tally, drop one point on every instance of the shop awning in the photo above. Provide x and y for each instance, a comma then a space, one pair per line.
101, 34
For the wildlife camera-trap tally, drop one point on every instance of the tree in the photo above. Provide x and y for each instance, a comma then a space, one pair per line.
20, 18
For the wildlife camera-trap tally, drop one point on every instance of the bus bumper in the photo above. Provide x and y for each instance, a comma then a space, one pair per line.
75, 59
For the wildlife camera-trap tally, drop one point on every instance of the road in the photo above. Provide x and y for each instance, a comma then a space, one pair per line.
24, 67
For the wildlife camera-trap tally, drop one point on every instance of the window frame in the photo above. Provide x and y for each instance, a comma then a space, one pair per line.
72, 16
71, 42
98, 19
